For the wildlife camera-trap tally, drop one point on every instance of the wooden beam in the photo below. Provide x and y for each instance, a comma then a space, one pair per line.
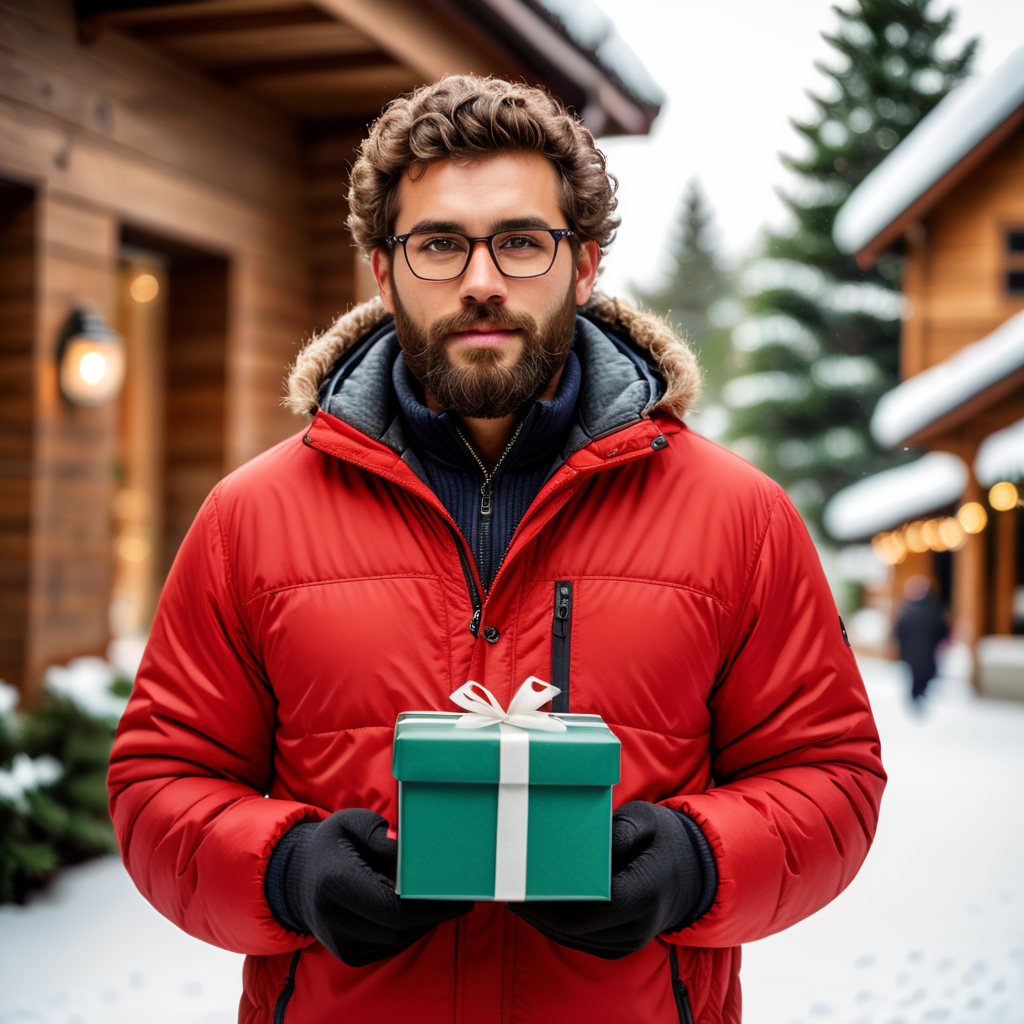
299, 67
171, 27
98, 16
413, 34
227, 49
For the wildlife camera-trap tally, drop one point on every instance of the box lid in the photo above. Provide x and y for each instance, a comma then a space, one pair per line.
429, 748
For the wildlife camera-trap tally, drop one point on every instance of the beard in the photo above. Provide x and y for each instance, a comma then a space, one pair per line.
484, 388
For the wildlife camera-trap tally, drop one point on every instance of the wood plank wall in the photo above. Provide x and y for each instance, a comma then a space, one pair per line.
75, 446
110, 134
17, 315
333, 256
956, 261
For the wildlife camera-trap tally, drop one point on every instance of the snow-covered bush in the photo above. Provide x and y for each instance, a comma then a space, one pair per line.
53, 769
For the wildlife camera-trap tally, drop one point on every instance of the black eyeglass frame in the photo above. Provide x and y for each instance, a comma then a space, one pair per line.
556, 233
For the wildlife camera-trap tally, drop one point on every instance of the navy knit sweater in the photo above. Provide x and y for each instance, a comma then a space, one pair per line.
456, 477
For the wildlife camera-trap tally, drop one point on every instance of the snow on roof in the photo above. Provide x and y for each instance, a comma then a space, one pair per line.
939, 142
895, 496
1001, 456
937, 391
593, 31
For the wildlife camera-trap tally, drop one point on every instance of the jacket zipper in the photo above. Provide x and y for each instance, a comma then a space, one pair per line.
682, 997
561, 630
486, 490
286, 992
467, 571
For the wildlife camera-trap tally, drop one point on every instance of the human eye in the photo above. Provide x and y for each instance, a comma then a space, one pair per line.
518, 242
440, 245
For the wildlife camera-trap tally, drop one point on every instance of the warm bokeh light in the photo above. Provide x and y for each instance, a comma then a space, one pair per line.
952, 533
931, 533
941, 534
913, 535
92, 367
145, 288
1003, 496
91, 370
890, 547
972, 517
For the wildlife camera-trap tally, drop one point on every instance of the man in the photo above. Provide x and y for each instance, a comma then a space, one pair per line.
920, 628
497, 483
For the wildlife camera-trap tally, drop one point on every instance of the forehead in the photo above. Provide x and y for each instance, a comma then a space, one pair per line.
478, 193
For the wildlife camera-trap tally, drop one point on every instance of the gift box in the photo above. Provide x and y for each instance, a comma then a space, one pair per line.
493, 810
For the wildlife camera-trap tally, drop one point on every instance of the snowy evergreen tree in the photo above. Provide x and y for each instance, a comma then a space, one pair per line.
698, 299
820, 341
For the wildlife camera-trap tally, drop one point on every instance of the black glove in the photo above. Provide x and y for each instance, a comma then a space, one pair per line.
663, 878
334, 879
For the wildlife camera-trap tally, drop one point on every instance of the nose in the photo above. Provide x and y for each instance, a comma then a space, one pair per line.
482, 281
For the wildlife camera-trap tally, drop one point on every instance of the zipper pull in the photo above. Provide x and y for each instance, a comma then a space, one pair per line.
474, 623
485, 499
563, 602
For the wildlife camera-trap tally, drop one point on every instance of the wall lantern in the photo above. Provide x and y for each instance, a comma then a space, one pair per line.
90, 357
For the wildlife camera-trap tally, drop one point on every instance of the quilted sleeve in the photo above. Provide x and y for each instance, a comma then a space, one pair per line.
796, 763
193, 758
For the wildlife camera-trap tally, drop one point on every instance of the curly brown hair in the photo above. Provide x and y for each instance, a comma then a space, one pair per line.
469, 116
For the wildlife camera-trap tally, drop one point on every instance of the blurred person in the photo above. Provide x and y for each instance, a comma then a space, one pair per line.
920, 628
497, 457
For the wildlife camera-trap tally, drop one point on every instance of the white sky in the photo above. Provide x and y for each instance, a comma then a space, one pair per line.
734, 73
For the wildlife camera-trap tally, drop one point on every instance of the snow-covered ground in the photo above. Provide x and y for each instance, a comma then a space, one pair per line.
930, 932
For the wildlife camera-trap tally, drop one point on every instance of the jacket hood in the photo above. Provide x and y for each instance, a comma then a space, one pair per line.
672, 358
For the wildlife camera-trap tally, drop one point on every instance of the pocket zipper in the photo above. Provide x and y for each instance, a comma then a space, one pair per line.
682, 997
561, 635
286, 992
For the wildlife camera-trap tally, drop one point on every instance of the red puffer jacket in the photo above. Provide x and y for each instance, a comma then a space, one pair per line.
323, 589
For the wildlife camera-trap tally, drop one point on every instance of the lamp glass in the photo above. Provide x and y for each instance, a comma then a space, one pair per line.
92, 369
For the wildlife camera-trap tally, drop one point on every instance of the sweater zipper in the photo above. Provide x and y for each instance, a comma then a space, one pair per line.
561, 631
487, 491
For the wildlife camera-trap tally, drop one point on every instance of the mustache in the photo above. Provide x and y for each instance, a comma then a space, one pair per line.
492, 314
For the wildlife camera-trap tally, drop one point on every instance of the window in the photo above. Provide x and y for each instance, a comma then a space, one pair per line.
1014, 273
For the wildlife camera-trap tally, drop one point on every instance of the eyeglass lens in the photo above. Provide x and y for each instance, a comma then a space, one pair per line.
439, 256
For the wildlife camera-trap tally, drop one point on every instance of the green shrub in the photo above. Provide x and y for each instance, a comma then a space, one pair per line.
53, 794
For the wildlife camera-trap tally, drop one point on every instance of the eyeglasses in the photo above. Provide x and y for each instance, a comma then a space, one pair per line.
445, 255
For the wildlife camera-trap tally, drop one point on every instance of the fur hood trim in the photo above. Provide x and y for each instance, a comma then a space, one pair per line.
671, 354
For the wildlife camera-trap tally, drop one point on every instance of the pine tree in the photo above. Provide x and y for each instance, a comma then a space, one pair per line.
697, 298
820, 341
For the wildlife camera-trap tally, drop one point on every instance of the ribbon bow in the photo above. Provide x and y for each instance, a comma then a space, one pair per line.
522, 709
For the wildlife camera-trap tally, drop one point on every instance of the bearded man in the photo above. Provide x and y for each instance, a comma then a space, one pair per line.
497, 483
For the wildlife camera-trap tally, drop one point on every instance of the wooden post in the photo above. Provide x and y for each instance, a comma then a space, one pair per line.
969, 577
1005, 570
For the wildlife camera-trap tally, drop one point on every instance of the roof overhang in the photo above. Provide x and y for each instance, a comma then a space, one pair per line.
342, 60
953, 391
1001, 456
953, 139
888, 499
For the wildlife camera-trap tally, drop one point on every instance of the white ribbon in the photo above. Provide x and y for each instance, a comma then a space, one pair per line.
522, 709
514, 770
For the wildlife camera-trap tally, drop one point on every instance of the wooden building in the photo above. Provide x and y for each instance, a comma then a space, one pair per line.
951, 199
180, 169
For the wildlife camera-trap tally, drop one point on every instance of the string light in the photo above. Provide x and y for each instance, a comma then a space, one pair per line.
972, 516
1003, 496
943, 533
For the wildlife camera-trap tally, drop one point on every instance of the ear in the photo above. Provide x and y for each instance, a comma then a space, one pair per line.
380, 263
586, 271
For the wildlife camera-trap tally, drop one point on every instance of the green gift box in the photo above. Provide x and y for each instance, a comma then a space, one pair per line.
488, 810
